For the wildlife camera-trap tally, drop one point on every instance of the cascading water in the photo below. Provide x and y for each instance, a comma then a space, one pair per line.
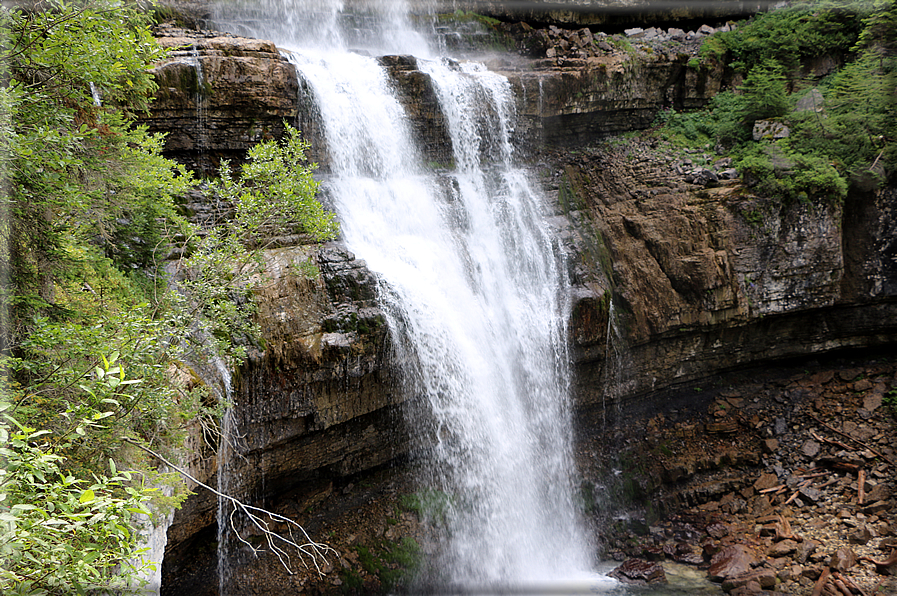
475, 289
616, 367
226, 454
202, 108
95, 94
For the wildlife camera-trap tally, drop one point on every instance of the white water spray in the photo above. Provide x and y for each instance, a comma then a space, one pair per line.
476, 293
226, 454
95, 94
202, 107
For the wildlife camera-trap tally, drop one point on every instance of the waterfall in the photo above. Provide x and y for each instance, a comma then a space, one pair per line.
95, 94
497, 379
474, 286
202, 108
226, 453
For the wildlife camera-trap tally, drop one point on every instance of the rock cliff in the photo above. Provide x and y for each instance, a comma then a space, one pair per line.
317, 403
706, 279
569, 13
688, 278
219, 95
609, 13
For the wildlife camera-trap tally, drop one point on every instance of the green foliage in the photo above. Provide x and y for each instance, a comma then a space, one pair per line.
115, 368
393, 563
880, 27
95, 335
469, 15
60, 533
431, 504
788, 175
721, 122
77, 172
623, 44
764, 92
276, 193
857, 125
862, 109
789, 35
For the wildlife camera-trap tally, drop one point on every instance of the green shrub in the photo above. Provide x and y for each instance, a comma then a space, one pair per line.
720, 122
791, 34
764, 92
825, 149
59, 533
776, 171
93, 340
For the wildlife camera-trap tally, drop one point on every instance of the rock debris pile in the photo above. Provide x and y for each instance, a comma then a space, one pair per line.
815, 517
558, 43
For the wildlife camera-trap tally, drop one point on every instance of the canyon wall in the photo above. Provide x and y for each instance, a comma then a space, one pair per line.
567, 13
695, 273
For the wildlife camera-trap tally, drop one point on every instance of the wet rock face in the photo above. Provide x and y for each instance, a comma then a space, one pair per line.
318, 402
219, 95
639, 572
417, 96
324, 365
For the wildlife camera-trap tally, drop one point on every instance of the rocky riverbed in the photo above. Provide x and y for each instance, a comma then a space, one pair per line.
782, 482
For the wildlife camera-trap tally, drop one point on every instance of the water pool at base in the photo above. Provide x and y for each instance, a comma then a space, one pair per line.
682, 580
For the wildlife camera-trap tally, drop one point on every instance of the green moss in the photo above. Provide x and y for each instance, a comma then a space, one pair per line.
623, 44
352, 581
428, 504
394, 564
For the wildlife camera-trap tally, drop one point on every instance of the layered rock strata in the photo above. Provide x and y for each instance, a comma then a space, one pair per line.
219, 95
676, 275
318, 402
612, 13
712, 278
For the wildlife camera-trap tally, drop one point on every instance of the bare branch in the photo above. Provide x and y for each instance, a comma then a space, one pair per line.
305, 547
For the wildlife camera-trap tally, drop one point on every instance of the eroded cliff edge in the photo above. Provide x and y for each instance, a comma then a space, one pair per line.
699, 278
708, 279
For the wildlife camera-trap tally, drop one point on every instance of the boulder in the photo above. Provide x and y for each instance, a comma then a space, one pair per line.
842, 560
765, 578
731, 561
782, 549
812, 101
639, 571
770, 130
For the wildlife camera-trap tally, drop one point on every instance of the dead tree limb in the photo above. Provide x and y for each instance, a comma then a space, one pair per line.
864, 445
305, 547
